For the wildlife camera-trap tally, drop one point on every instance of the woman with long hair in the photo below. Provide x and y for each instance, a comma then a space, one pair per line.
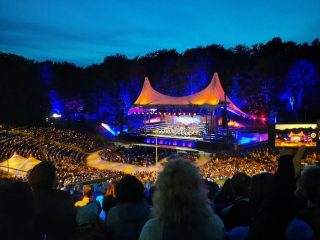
181, 209
109, 199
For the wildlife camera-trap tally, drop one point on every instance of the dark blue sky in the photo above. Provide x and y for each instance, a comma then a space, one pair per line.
84, 32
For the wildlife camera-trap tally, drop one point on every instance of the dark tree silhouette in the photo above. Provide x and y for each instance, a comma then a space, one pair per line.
260, 79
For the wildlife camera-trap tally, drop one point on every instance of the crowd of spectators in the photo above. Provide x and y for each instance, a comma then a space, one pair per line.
70, 159
263, 196
69, 173
191, 155
70, 163
137, 155
27, 146
279, 205
68, 137
225, 165
71, 167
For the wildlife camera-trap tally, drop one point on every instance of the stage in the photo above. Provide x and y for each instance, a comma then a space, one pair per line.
206, 120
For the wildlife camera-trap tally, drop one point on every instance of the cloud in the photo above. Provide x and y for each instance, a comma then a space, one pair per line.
89, 31
39, 36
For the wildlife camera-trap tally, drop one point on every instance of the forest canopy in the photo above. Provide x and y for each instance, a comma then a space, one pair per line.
264, 79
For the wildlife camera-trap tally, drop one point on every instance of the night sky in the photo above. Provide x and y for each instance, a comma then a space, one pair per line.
84, 32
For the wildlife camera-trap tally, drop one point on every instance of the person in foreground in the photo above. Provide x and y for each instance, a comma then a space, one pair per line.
181, 209
53, 209
126, 219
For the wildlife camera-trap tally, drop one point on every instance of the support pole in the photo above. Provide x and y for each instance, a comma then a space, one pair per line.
156, 155
156, 133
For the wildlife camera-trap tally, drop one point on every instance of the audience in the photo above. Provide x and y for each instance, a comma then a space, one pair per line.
181, 210
109, 199
126, 219
88, 210
310, 185
258, 191
54, 213
71, 138
225, 165
276, 209
16, 210
137, 155
237, 213
87, 195
263, 196
99, 194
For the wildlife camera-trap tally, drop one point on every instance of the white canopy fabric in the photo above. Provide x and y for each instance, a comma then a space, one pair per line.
19, 165
213, 94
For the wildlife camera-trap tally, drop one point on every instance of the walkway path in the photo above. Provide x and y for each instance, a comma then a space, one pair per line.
94, 160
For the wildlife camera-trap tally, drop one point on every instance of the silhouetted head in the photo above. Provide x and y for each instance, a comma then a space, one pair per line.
310, 183
212, 188
226, 193
259, 189
240, 183
42, 176
16, 210
129, 190
87, 191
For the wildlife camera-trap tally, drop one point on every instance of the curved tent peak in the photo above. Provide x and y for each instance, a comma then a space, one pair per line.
221, 93
218, 86
146, 81
148, 95
215, 78
210, 95
213, 94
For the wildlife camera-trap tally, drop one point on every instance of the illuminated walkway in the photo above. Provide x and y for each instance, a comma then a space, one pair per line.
19, 165
94, 160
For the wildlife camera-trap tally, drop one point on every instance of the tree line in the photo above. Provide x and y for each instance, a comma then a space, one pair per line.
277, 77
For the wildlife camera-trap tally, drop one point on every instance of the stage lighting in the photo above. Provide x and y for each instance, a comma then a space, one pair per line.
56, 115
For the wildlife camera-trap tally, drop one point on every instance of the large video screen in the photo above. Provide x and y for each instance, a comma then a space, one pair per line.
296, 135
187, 120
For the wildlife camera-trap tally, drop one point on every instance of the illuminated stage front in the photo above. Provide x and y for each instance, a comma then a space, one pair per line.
175, 142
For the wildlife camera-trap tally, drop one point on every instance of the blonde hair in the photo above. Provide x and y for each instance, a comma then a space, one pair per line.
180, 196
111, 191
